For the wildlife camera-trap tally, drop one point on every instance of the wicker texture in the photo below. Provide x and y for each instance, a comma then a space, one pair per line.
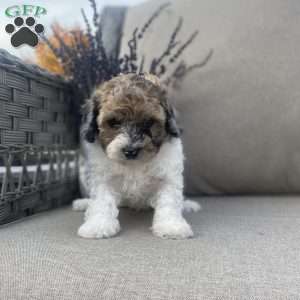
38, 139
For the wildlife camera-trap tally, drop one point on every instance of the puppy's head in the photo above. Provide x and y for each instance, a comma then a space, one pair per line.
131, 117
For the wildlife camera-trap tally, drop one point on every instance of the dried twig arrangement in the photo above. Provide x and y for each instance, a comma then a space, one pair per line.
88, 66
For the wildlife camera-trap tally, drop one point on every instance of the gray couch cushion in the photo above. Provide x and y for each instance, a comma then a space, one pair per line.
245, 248
241, 113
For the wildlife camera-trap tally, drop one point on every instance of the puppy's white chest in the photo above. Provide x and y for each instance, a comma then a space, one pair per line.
136, 188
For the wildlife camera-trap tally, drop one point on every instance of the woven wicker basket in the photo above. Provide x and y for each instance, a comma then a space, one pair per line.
39, 131
38, 140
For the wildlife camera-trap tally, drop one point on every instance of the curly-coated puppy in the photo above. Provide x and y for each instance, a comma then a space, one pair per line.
132, 156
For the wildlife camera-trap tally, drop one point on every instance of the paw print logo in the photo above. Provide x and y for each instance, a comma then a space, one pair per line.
24, 34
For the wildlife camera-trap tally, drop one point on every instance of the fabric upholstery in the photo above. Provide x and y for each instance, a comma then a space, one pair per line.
241, 113
244, 248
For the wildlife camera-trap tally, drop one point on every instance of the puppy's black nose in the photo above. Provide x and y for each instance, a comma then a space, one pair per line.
130, 152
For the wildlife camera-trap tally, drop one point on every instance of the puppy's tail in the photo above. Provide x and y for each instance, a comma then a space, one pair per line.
191, 206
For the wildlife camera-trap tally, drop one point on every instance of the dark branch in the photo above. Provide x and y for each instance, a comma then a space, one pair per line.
171, 45
183, 70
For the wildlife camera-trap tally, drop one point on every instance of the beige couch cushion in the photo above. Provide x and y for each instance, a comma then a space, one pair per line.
244, 248
241, 113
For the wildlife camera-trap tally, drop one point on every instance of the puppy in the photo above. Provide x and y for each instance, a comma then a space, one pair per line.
132, 156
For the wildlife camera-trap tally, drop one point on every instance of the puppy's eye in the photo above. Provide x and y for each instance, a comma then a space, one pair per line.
114, 123
149, 123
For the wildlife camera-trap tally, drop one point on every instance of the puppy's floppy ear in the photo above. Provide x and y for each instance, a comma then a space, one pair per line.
172, 128
171, 124
92, 129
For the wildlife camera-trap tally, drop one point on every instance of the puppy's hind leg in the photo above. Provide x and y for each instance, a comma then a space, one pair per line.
191, 206
80, 204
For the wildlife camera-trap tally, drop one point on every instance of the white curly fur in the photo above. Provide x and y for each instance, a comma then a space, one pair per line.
157, 184
188, 205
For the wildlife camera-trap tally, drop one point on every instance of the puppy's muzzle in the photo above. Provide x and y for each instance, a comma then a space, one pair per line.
131, 152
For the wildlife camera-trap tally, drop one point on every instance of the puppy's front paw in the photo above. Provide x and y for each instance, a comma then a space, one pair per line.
172, 229
98, 227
